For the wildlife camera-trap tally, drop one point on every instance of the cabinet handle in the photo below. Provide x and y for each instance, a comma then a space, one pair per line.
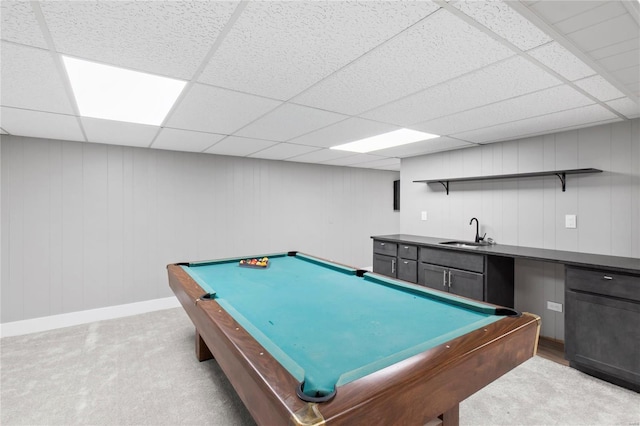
406, 247
393, 266
444, 278
606, 277
449, 279
406, 262
381, 244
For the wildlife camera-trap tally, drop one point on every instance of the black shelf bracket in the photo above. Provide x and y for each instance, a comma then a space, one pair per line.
563, 179
445, 183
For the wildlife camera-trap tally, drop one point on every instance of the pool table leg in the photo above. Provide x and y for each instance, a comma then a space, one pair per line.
202, 350
451, 417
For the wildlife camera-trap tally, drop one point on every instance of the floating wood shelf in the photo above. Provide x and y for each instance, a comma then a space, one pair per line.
561, 174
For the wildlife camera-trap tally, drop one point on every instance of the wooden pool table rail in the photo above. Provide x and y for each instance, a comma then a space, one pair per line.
422, 387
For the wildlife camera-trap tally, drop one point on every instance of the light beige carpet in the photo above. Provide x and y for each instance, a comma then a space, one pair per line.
141, 370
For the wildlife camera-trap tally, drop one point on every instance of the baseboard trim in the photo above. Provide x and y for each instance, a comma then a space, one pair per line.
35, 325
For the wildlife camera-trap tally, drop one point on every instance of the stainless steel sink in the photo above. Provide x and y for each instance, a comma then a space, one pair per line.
464, 244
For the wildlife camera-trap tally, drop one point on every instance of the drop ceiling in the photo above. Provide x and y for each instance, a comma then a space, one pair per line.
287, 80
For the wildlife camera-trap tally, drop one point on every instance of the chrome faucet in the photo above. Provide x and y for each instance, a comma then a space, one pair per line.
478, 239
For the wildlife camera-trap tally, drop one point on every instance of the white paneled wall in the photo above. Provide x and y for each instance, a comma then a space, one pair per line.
530, 212
86, 226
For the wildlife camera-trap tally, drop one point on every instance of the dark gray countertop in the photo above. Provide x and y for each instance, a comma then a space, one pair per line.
616, 263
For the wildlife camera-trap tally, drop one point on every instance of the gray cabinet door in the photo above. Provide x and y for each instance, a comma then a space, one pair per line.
467, 284
432, 276
603, 335
384, 265
408, 270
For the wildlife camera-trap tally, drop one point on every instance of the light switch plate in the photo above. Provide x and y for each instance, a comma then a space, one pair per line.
553, 306
423, 215
570, 221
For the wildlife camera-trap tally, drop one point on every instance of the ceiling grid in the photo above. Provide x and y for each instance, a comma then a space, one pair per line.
286, 80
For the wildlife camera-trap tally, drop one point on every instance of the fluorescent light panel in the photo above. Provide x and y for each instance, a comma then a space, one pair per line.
113, 93
385, 140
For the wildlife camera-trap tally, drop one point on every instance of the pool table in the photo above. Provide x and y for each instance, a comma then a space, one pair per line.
307, 341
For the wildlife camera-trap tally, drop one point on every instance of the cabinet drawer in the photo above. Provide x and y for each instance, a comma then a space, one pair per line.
408, 270
383, 247
408, 252
453, 259
624, 286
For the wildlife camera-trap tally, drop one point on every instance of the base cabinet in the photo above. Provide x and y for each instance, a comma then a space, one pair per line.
385, 265
477, 276
395, 260
455, 281
385, 261
408, 263
602, 332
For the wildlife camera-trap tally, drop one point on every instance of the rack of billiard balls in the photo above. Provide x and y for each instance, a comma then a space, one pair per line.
255, 263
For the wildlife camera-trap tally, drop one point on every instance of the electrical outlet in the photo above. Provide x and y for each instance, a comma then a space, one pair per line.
423, 215
553, 306
570, 221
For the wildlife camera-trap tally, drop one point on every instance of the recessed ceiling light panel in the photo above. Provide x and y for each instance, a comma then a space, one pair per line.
113, 93
385, 140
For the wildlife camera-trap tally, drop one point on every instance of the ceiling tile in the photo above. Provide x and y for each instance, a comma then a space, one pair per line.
354, 159
30, 80
289, 121
277, 49
505, 22
599, 88
168, 38
627, 75
384, 164
634, 88
626, 107
558, 121
546, 101
424, 147
561, 61
118, 132
591, 17
434, 50
345, 131
556, 11
609, 32
20, 122
185, 140
233, 145
615, 49
20, 25
320, 156
512, 77
215, 110
282, 151
622, 60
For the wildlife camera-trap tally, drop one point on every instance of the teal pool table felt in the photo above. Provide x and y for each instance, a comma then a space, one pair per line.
326, 325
